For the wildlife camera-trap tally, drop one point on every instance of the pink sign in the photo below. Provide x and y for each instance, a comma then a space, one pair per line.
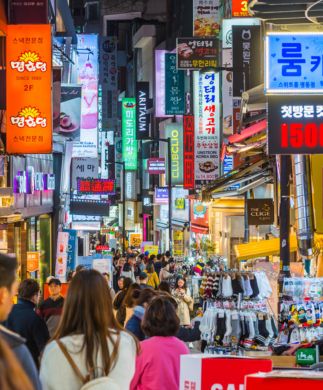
156, 166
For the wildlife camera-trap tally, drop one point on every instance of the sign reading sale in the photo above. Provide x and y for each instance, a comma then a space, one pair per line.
201, 372
29, 98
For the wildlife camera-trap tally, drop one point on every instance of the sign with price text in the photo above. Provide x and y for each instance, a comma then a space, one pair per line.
294, 63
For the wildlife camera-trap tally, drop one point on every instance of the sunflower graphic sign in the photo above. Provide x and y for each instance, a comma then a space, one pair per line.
29, 99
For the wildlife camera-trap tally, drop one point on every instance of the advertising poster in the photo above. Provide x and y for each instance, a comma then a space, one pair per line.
33, 261
129, 142
199, 214
206, 18
29, 71
70, 111
174, 131
87, 76
207, 127
135, 240
174, 93
246, 43
194, 53
294, 63
61, 256
188, 144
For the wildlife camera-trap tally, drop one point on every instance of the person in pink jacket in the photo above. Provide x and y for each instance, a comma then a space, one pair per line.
158, 363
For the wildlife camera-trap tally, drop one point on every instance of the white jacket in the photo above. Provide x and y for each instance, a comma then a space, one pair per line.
57, 374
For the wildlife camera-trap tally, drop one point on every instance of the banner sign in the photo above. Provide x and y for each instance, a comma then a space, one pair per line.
96, 186
188, 144
28, 12
240, 8
118, 158
207, 127
160, 84
70, 111
89, 207
135, 240
295, 124
29, 86
161, 195
294, 63
178, 237
174, 93
260, 211
84, 168
195, 53
206, 17
129, 142
174, 131
246, 60
156, 166
143, 119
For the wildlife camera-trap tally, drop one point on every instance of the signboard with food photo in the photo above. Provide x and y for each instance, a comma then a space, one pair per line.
194, 53
206, 18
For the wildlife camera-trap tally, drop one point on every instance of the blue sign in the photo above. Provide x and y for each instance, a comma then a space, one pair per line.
294, 63
71, 249
161, 195
228, 167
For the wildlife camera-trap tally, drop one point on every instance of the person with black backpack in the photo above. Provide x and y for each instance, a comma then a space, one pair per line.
89, 348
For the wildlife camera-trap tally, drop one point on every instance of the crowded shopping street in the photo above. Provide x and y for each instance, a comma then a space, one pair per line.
161, 194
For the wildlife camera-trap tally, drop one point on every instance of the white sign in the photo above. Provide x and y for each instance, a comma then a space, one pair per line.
227, 28
207, 126
84, 168
206, 18
85, 149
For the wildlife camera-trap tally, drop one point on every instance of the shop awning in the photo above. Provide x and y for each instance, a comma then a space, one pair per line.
263, 248
199, 229
249, 132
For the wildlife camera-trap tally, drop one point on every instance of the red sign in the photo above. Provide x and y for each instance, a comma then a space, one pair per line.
156, 166
287, 380
240, 8
209, 373
101, 248
96, 186
188, 162
29, 85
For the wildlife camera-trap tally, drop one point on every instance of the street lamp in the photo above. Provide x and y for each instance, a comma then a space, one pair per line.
123, 201
169, 162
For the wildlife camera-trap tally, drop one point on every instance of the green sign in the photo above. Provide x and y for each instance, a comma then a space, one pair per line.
174, 89
306, 357
129, 142
174, 131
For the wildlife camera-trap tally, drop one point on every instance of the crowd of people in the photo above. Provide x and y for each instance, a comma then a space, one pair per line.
104, 334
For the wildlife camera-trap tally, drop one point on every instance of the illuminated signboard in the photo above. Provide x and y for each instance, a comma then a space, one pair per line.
96, 186
143, 119
26, 182
195, 53
206, 18
240, 8
294, 63
188, 163
156, 166
174, 90
207, 127
29, 73
129, 142
174, 131
160, 78
295, 124
161, 195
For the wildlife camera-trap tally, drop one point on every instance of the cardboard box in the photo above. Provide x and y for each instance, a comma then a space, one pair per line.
205, 372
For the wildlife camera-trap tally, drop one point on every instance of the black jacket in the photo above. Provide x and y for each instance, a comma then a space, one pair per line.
24, 321
189, 335
18, 347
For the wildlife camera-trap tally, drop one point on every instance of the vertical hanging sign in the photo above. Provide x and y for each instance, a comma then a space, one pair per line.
188, 164
174, 96
129, 142
143, 119
207, 127
174, 131
29, 76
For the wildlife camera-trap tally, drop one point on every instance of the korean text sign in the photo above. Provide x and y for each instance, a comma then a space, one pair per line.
195, 53
129, 142
294, 63
206, 18
207, 126
240, 8
29, 73
295, 124
174, 96
188, 163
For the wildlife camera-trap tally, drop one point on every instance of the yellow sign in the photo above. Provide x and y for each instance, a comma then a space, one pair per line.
135, 239
178, 243
152, 249
33, 259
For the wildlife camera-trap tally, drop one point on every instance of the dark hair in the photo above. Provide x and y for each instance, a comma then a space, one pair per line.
152, 257
150, 268
141, 256
55, 281
146, 295
95, 321
79, 268
8, 268
180, 278
167, 253
127, 282
159, 256
132, 295
28, 288
164, 286
160, 318
12, 377
164, 263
